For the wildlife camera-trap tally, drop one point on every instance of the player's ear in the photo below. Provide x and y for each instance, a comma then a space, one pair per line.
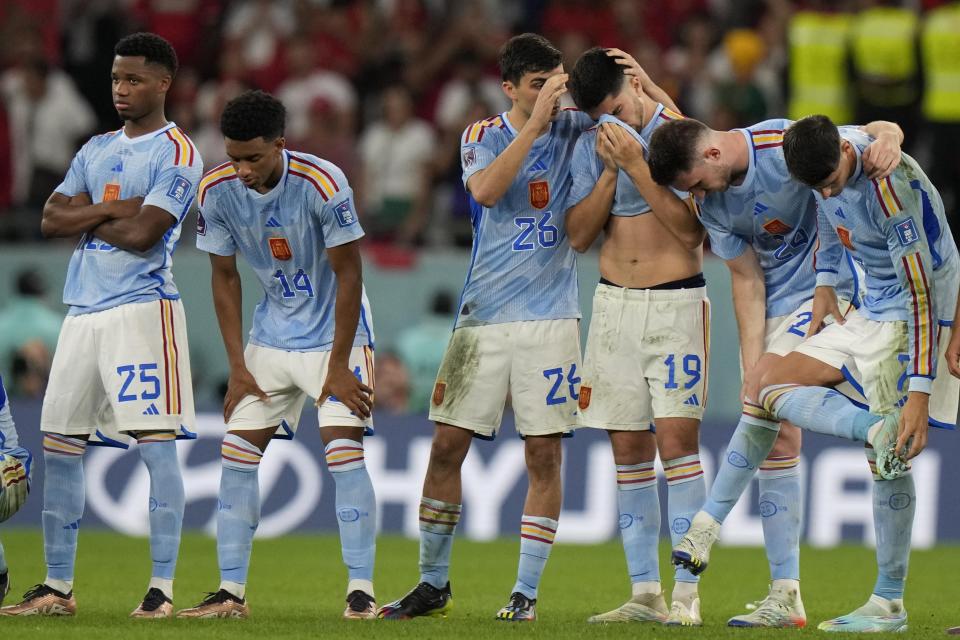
280, 143
509, 89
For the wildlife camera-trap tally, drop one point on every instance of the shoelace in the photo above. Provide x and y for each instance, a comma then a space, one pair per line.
772, 609
359, 601
37, 591
153, 600
518, 602
216, 597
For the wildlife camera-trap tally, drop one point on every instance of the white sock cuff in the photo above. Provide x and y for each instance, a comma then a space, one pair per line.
237, 589
360, 585
344, 454
163, 584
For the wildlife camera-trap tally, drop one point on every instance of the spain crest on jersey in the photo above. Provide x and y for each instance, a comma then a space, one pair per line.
111, 192
280, 248
539, 194
844, 234
776, 227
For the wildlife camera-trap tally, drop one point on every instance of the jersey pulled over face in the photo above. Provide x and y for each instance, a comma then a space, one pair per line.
283, 235
164, 168
776, 215
522, 266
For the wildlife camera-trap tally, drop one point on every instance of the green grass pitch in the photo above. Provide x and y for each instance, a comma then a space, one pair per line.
297, 583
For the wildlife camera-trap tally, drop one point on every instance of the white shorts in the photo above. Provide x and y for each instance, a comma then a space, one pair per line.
536, 362
647, 357
289, 378
121, 370
873, 357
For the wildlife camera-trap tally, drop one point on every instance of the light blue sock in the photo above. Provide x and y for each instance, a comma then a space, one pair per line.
686, 493
819, 409
536, 540
750, 445
639, 504
159, 453
63, 502
780, 509
438, 523
894, 504
239, 507
356, 507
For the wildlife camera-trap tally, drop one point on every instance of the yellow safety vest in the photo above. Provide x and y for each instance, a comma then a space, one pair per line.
941, 62
884, 44
818, 65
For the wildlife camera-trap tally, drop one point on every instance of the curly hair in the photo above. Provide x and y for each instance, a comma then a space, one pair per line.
527, 53
253, 114
594, 77
153, 48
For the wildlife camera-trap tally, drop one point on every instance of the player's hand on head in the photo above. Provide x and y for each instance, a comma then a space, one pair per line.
914, 424
881, 157
953, 353
825, 304
630, 65
241, 384
348, 389
548, 99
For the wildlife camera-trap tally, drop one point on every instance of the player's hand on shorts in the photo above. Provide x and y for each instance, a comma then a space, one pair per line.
630, 66
881, 157
953, 353
347, 388
241, 384
624, 148
824, 304
914, 423
548, 100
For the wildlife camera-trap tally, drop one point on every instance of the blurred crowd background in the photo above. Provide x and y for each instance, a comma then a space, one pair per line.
384, 88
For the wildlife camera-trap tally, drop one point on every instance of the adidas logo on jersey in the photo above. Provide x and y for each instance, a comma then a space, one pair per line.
693, 401
273, 222
759, 208
539, 165
151, 410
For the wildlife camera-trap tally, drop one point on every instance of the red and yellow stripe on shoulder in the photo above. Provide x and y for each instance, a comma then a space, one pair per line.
924, 322
767, 138
212, 178
669, 114
316, 175
184, 152
474, 132
889, 201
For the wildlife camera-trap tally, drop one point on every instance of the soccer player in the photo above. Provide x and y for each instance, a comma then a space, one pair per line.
122, 360
763, 224
517, 324
646, 354
292, 217
15, 463
896, 230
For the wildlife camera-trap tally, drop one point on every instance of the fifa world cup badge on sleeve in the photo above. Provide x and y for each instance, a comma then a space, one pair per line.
539, 194
280, 248
345, 216
469, 157
179, 189
907, 232
201, 225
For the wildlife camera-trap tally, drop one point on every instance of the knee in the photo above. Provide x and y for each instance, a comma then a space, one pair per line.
679, 443
544, 458
448, 451
788, 441
633, 447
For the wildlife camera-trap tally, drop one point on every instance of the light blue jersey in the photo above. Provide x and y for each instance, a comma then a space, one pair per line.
164, 168
282, 234
896, 230
776, 215
522, 266
9, 442
587, 166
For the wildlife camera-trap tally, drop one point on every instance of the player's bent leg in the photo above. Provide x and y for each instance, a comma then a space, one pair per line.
779, 477
158, 450
439, 515
678, 443
238, 515
638, 503
538, 525
63, 502
356, 507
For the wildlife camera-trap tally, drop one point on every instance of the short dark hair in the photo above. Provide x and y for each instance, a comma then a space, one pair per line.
673, 149
153, 48
594, 77
527, 53
253, 114
811, 147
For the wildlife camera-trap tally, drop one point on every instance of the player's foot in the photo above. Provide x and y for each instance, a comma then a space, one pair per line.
42, 600
155, 605
646, 607
360, 606
953, 631
693, 551
782, 608
891, 464
4, 585
423, 600
685, 612
878, 615
221, 604
519, 609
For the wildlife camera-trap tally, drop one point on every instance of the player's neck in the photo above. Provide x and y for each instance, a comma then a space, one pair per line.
735, 144
147, 124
